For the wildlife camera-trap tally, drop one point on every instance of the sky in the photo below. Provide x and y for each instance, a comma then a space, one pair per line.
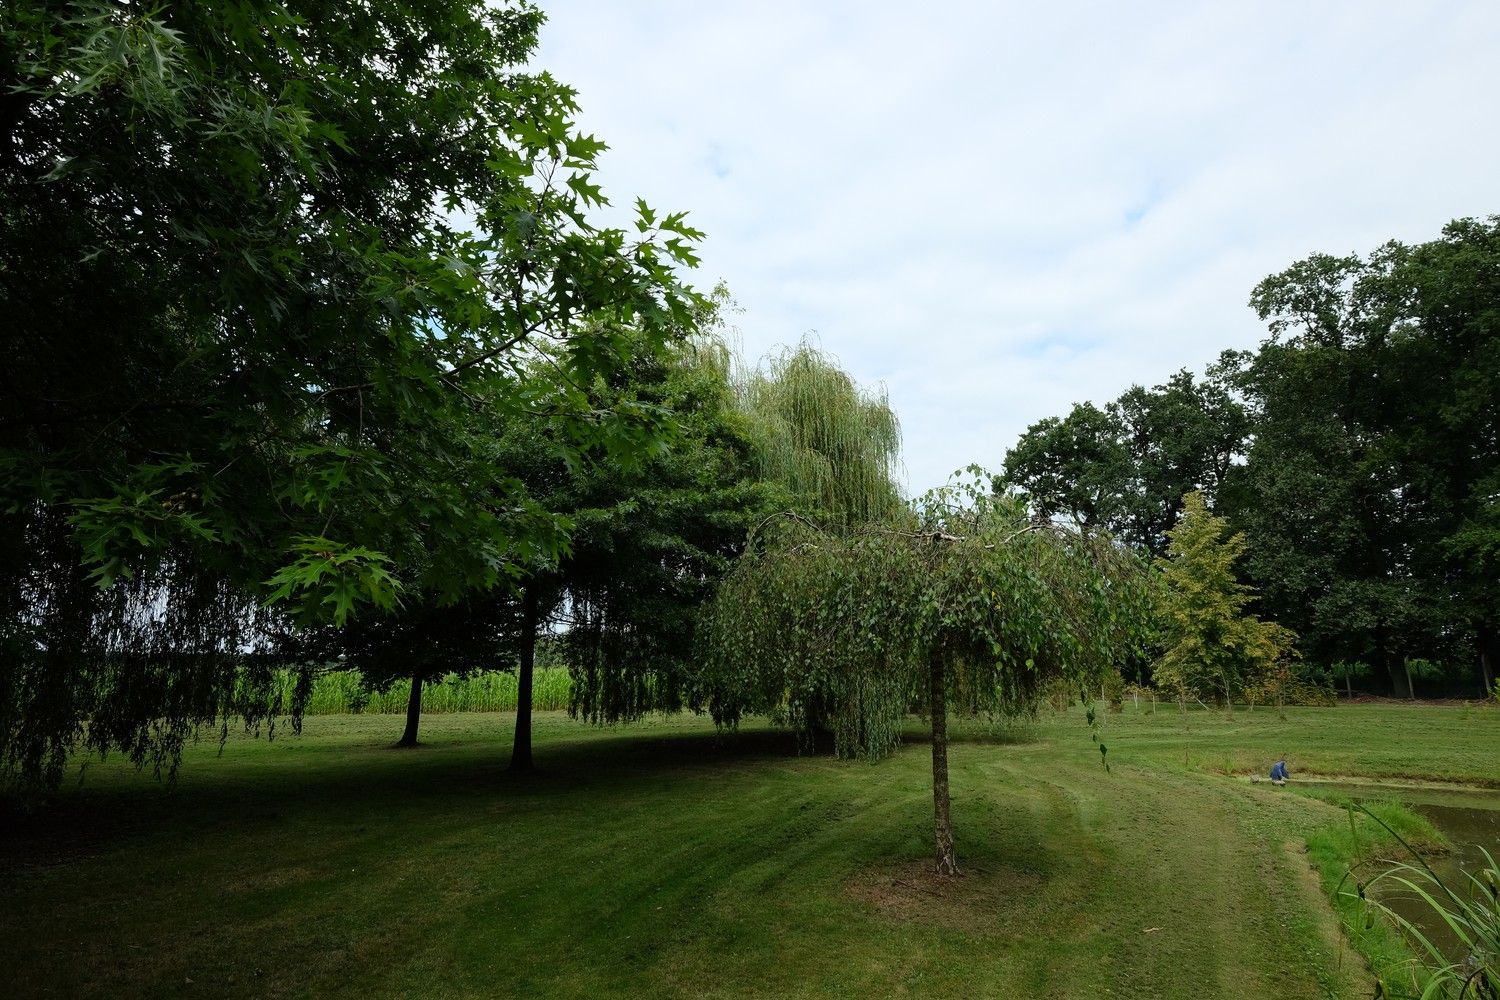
998, 210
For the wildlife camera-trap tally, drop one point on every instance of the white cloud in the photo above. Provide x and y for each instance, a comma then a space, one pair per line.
999, 210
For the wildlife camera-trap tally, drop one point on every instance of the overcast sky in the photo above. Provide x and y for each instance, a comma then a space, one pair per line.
998, 210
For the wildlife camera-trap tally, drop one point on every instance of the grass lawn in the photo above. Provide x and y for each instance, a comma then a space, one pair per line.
662, 859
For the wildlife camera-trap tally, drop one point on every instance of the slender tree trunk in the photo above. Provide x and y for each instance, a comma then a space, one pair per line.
1349, 684
413, 712
1486, 668
1411, 690
942, 825
520, 755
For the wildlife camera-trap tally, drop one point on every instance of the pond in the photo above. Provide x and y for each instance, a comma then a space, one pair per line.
1468, 817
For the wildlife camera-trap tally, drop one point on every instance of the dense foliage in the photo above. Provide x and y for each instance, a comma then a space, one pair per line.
651, 534
653, 541
1358, 450
1374, 529
966, 602
267, 276
832, 444
837, 628
1127, 467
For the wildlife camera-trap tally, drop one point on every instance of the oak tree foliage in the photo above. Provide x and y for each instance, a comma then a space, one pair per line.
267, 276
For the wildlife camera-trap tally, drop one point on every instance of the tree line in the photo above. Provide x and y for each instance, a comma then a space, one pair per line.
1357, 451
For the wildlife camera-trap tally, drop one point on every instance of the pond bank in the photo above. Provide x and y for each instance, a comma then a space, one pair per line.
1465, 817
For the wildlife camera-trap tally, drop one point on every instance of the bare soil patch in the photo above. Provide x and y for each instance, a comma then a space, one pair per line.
913, 891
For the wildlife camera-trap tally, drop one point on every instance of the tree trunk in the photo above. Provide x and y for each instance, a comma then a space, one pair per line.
1390, 668
1411, 690
1349, 684
1486, 668
520, 755
413, 712
942, 825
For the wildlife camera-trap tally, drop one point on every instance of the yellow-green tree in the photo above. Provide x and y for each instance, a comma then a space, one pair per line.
1212, 646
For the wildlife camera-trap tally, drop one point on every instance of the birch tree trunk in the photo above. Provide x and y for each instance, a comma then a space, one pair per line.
942, 825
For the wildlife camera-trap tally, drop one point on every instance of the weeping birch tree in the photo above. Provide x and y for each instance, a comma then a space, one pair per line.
965, 606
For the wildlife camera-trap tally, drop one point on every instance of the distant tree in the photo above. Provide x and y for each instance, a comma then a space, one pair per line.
968, 604
832, 444
1076, 467
1349, 671
1181, 437
651, 541
1376, 464
646, 541
422, 642
1126, 468
1212, 645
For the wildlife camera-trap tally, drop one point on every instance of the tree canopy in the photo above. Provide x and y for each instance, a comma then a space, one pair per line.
967, 603
264, 271
1358, 449
1127, 467
1375, 470
833, 444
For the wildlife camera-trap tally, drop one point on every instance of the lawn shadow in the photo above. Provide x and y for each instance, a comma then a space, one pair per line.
1003, 733
107, 810
91, 816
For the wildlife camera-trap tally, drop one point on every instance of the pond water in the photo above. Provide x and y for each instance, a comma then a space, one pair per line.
1468, 817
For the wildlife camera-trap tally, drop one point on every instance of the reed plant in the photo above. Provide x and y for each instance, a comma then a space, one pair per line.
343, 692
1470, 910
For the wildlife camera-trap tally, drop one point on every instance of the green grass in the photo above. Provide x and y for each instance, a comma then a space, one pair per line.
664, 860
1390, 742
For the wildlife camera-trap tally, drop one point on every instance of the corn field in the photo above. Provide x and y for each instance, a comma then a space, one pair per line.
340, 692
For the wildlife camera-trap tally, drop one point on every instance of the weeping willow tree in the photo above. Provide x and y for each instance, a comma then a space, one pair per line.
967, 607
136, 668
651, 543
833, 444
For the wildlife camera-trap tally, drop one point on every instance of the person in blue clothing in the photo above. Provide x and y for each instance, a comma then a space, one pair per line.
1279, 772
